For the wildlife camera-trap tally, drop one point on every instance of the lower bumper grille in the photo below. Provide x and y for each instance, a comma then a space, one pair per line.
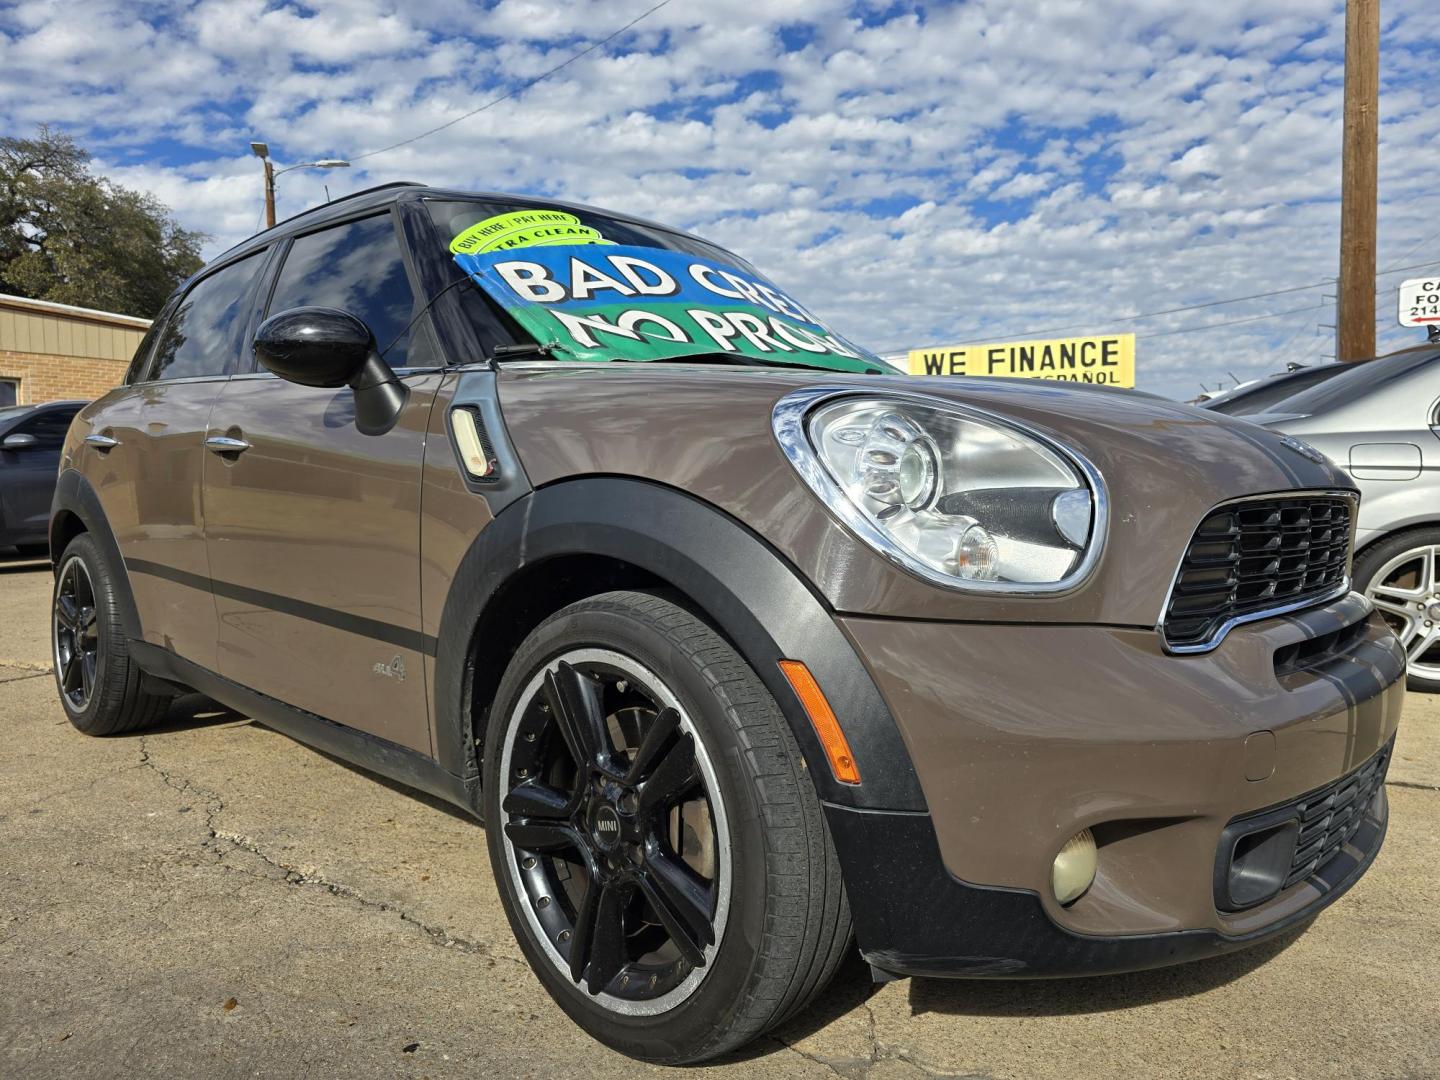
1264, 853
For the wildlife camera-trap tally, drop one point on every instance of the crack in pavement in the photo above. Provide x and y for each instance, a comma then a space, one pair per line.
215, 805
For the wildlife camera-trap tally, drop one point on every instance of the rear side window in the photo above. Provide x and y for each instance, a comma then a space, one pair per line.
202, 337
356, 267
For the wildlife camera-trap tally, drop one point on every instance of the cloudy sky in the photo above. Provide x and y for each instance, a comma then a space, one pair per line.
919, 174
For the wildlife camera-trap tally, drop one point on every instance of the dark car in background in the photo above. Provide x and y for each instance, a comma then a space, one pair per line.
1261, 395
31, 437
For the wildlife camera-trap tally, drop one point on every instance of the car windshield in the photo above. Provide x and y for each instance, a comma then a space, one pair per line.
584, 285
13, 411
1355, 382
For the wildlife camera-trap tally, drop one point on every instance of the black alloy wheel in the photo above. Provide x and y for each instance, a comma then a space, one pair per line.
76, 637
614, 831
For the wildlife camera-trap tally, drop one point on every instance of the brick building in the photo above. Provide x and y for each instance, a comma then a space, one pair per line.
53, 351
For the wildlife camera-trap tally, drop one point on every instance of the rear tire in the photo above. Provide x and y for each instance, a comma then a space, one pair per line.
101, 688
775, 902
1401, 576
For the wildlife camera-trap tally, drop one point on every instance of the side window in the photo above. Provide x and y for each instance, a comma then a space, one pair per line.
139, 362
49, 428
356, 267
202, 336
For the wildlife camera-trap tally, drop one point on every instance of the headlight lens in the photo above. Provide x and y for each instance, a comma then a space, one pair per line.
957, 497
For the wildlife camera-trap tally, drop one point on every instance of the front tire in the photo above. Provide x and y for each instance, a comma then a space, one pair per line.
1401, 576
660, 852
101, 688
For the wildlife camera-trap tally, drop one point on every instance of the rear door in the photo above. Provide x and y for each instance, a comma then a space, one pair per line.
145, 452
313, 530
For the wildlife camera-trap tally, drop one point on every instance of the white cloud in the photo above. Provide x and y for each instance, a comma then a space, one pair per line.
951, 173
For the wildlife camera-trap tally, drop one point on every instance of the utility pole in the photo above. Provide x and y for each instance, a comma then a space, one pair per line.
1355, 316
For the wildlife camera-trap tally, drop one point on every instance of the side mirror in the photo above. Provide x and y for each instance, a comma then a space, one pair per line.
325, 347
20, 442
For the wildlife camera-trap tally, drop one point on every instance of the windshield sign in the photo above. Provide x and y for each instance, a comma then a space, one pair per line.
595, 300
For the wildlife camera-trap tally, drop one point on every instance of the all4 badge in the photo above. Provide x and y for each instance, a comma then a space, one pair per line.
395, 669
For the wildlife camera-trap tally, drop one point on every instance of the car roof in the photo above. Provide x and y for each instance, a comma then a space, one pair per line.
410, 191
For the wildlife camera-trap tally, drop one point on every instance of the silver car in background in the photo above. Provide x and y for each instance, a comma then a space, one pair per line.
1380, 422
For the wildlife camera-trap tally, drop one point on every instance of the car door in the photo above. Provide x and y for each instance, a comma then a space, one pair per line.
144, 451
27, 473
313, 528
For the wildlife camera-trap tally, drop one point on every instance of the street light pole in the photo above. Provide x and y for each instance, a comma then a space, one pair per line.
262, 151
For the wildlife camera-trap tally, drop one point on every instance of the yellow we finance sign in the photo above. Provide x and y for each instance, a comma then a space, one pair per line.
1108, 360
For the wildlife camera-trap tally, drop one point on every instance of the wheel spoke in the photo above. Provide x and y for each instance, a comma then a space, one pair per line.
1399, 611
67, 611
575, 700
681, 902
673, 776
532, 799
543, 836
647, 755
605, 938
87, 672
69, 672
1419, 645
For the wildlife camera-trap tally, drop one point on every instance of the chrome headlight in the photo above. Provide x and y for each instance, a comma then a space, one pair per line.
957, 496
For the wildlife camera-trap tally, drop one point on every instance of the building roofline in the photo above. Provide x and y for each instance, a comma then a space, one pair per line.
47, 307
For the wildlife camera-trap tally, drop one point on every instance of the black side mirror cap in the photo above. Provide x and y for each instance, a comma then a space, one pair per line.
326, 347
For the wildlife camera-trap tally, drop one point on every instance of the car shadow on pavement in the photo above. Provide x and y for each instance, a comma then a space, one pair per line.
1092, 994
190, 711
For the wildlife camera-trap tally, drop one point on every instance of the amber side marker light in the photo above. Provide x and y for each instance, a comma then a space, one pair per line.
822, 719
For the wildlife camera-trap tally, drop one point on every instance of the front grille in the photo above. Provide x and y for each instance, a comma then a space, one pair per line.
1331, 816
1251, 557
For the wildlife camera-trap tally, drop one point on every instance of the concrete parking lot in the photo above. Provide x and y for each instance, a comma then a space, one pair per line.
212, 899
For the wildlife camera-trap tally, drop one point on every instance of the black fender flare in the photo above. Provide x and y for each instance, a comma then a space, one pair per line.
746, 588
75, 495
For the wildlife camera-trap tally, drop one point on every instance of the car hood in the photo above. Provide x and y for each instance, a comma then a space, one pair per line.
1276, 420
707, 430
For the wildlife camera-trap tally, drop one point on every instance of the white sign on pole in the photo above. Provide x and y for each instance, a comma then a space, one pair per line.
1420, 302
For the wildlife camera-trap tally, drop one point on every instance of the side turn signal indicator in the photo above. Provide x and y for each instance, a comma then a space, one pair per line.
474, 456
822, 719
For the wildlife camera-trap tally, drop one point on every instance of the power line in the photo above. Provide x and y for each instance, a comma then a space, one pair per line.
1417, 247
518, 90
1187, 307
1231, 322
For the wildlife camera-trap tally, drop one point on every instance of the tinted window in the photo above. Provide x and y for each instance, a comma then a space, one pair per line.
1359, 380
8, 392
49, 427
136, 371
356, 267
202, 337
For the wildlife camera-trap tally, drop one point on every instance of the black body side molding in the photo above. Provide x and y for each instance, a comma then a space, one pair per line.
398, 763
740, 583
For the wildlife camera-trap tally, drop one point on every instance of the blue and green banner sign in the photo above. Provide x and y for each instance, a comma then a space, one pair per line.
594, 300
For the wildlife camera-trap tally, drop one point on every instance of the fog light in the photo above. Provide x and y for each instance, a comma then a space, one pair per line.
1074, 867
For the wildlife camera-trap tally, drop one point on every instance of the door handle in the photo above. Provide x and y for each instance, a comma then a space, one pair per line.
224, 444
103, 443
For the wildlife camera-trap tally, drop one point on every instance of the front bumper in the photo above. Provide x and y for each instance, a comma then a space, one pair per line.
1024, 735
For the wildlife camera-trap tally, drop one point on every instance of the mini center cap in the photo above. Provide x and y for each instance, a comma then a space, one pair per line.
606, 827
1432, 611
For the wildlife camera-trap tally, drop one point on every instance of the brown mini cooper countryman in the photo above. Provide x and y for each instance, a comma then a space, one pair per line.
744, 648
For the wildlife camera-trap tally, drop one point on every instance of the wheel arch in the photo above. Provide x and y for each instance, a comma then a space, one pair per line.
580, 537
75, 509
1413, 525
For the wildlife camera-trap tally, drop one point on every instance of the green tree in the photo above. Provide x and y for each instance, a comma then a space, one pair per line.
74, 238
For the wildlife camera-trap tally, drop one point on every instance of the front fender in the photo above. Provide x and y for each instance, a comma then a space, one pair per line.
751, 594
